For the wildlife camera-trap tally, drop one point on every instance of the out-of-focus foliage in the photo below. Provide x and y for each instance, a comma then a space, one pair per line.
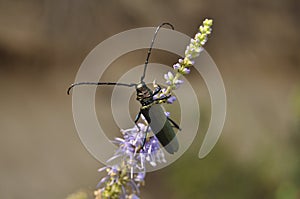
78, 195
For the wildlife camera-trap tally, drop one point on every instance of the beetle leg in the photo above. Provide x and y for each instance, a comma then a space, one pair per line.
174, 123
156, 90
145, 138
163, 98
137, 119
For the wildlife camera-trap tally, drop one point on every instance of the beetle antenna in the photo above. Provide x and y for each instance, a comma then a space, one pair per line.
98, 84
151, 45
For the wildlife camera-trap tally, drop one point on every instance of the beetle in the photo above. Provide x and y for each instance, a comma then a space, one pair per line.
161, 125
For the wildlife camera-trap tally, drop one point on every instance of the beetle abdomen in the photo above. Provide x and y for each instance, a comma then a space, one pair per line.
161, 127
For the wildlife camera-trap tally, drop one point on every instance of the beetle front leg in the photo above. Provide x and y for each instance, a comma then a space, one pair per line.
163, 98
141, 147
137, 117
157, 90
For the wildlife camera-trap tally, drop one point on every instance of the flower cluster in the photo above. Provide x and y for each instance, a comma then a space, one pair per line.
124, 180
192, 51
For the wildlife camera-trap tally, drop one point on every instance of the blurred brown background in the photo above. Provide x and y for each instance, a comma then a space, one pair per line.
255, 45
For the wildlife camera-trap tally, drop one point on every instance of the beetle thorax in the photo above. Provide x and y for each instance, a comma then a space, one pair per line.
144, 94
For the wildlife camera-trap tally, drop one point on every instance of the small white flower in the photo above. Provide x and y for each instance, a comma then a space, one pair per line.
169, 78
176, 66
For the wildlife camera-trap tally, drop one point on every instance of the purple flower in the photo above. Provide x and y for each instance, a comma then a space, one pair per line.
169, 78
133, 148
178, 82
167, 114
185, 71
133, 196
171, 100
140, 177
176, 66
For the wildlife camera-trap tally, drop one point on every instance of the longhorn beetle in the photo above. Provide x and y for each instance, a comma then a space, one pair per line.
150, 109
